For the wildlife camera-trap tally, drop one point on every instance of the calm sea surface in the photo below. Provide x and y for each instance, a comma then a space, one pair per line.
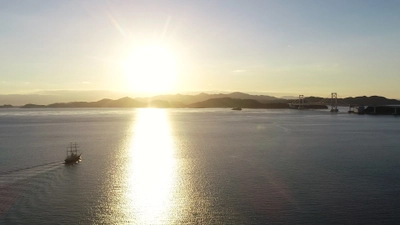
199, 166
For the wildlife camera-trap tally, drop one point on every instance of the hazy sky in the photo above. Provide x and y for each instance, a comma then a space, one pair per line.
310, 47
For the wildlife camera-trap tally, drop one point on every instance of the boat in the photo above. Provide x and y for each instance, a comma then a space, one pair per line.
72, 154
237, 108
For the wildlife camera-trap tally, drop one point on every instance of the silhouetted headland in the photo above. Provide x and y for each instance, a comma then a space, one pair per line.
203, 100
6, 106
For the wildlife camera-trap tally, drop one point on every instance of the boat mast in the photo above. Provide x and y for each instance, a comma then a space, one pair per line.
72, 148
76, 148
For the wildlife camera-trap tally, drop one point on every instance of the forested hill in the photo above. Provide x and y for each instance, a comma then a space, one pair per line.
209, 101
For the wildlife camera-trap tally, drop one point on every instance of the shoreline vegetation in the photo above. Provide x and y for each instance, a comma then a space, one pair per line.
235, 99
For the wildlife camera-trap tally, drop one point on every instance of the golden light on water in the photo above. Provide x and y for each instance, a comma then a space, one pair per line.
151, 170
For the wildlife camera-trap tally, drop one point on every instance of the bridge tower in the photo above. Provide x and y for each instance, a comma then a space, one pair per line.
301, 101
334, 102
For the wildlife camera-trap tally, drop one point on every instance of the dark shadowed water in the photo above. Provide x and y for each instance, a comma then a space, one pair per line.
199, 166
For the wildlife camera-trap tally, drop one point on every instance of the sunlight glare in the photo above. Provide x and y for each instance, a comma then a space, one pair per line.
150, 69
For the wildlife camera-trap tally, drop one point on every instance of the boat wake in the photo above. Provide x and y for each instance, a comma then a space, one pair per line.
29, 168
14, 182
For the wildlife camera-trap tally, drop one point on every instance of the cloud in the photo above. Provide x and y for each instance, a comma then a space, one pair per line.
239, 71
85, 82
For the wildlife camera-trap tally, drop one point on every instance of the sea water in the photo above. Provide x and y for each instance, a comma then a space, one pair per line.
199, 166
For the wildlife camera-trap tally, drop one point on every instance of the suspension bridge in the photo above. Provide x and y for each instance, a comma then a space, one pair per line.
334, 102
303, 103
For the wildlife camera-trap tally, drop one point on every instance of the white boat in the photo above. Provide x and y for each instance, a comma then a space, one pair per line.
72, 154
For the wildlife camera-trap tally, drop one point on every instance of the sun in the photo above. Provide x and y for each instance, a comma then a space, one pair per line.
150, 69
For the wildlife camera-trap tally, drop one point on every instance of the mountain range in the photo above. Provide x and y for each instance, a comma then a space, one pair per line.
204, 100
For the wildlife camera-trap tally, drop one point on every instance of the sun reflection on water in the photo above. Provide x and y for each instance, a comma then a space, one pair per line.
150, 174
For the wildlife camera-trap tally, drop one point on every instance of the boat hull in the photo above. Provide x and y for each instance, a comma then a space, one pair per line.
70, 160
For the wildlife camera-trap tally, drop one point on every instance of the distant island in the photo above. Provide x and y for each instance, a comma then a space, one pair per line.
203, 100
6, 106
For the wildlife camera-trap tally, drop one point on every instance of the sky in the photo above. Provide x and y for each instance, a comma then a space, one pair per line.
285, 47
